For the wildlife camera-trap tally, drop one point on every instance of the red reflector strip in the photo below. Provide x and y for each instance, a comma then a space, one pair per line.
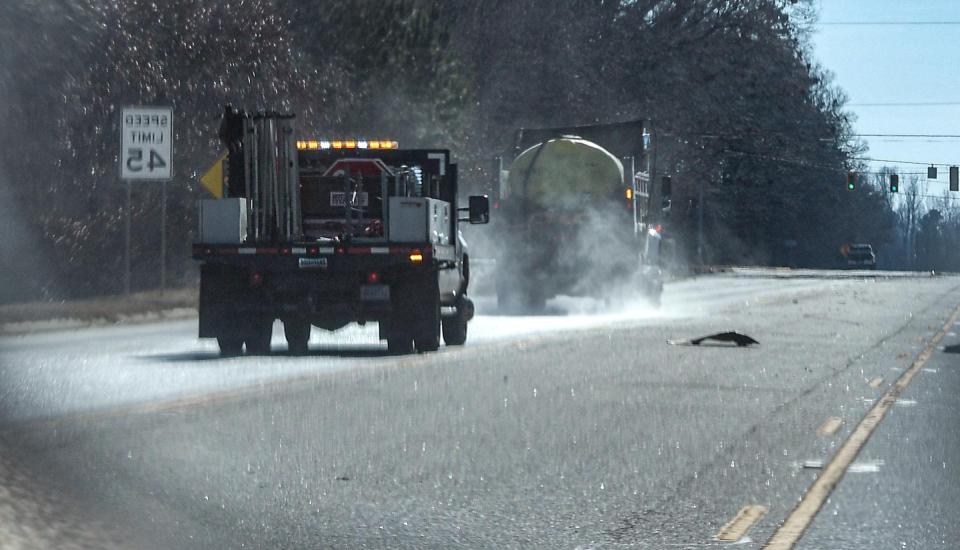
313, 250
246, 250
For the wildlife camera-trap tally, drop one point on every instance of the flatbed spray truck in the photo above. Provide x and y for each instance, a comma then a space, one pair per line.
330, 232
574, 216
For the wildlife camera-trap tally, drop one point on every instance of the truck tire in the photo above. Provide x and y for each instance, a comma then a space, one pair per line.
297, 333
455, 328
258, 336
519, 299
534, 302
402, 319
428, 321
506, 295
230, 345
400, 343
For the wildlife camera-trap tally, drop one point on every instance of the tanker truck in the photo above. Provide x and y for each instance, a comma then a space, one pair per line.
573, 218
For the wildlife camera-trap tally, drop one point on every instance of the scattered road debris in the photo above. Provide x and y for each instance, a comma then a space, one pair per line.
740, 340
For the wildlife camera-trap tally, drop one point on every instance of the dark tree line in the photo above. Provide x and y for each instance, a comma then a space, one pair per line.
744, 115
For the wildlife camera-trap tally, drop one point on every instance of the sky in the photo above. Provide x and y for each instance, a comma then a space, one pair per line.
896, 65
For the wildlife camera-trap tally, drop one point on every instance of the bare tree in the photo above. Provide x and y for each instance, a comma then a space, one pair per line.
910, 209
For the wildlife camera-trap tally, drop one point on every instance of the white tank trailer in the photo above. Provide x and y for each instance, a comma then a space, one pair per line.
569, 225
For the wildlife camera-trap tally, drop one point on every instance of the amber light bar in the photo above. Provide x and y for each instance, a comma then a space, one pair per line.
314, 144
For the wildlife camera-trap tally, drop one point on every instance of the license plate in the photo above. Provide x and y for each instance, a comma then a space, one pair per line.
312, 263
374, 292
338, 198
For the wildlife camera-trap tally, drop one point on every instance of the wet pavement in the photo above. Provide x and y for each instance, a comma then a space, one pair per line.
594, 433
906, 491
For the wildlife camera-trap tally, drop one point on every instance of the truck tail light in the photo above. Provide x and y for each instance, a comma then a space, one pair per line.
416, 256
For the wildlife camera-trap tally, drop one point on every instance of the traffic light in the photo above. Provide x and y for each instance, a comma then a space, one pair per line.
894, 183
954, 179
851, 181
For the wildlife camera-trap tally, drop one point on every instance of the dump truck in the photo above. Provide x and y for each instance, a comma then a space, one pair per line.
573, 217
327, 232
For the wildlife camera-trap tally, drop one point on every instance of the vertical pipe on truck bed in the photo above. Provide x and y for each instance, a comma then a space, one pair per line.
292, 184
276, 194
252, 172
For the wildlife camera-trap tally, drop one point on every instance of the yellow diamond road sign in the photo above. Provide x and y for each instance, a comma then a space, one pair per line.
212, 179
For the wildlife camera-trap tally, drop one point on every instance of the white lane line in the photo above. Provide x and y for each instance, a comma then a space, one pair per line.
802, 516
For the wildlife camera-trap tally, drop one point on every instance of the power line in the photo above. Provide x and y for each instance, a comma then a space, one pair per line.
868, 159
915, 141
923, 136
907, 104
808, 164
878, 23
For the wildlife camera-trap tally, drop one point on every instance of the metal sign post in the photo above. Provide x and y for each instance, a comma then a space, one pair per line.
163, 236
146, 136
126, 244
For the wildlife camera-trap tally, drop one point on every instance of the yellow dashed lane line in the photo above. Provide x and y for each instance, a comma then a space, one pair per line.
802, 516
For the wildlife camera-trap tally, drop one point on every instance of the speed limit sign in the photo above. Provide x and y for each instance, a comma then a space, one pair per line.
146, 134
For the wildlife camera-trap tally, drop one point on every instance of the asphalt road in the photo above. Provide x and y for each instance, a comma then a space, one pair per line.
579, 429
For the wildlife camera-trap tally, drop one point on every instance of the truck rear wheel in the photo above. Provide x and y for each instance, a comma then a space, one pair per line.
519, 299
230, 346
297, 333
655, 298
455, 328
428, 330
258, 336
400, 343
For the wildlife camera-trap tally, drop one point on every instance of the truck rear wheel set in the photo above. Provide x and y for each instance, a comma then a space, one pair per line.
516, 296
455, 327
230, 346
297, 333
255, 334
415, 322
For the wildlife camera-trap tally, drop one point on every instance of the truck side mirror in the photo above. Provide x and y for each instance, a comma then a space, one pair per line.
479, 210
